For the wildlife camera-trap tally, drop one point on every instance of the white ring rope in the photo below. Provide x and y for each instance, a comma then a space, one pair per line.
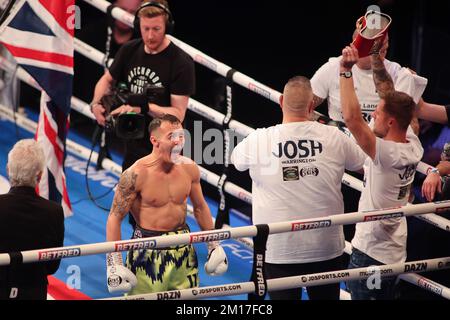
206, 175
214, 116
198, 56
436, 221
73, 147
224, 234
215, 65
248, 242
307, 280
194, 106
116, 169
426, 284
415, 279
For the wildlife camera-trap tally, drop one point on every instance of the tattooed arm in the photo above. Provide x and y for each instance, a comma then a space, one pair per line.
123, 199
317, 101
383, 80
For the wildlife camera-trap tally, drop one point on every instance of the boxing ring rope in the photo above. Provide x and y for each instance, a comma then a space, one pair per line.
241, 129
215, 65
218, 117
211, 178
208, 113
110, 165
198, 56
415, 279
426, 284
31, 126
196, 107
114, 168
225, 234
315, 279
21, 74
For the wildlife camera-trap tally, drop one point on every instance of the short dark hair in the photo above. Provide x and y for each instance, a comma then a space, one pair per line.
154, 11
156, 122
298, 94
400, 106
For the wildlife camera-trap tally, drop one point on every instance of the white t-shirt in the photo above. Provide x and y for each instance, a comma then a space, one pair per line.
297, 170
325, 85
387, 183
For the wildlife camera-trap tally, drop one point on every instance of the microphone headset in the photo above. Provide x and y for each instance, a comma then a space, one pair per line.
170, 23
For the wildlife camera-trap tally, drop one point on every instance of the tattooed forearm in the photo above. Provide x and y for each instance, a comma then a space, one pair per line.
125, 194
317, 101
382, 79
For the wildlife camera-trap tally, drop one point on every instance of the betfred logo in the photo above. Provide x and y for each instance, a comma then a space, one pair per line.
383, 216
58, 254
126, 246
430, 286
442, 210
245, 197
207, 63
260, 275
311, 225
253, 87
216, 236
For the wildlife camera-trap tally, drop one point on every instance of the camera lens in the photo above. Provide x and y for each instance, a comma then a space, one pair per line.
129, 125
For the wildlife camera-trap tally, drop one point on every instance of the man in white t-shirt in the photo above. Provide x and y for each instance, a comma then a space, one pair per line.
394, 152
297, 168
325, 84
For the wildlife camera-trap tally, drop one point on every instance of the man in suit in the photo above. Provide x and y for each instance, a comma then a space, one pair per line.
27, 222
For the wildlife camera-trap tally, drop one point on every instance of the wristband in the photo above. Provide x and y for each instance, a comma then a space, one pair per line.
92, 104
435, 170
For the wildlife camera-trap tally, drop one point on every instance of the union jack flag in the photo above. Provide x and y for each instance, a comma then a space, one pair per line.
39, 35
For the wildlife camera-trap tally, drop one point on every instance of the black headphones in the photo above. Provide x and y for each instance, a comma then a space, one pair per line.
169, 24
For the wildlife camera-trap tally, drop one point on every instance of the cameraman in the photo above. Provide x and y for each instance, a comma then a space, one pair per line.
154, 60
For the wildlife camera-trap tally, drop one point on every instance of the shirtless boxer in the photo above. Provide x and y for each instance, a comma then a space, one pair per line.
155, 190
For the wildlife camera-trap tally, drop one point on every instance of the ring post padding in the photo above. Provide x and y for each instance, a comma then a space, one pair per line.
258, 276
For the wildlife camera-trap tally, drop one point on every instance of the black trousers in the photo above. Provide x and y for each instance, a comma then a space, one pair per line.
325, 292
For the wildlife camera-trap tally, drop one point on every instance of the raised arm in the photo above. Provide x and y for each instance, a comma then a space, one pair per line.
351, 109
123, 199
382, 78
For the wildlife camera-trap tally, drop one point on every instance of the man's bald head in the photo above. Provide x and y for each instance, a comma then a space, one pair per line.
297, 95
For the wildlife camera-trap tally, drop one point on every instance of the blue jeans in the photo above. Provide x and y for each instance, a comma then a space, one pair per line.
361, 289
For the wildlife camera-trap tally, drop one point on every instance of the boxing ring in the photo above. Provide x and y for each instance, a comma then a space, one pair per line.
406, 271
